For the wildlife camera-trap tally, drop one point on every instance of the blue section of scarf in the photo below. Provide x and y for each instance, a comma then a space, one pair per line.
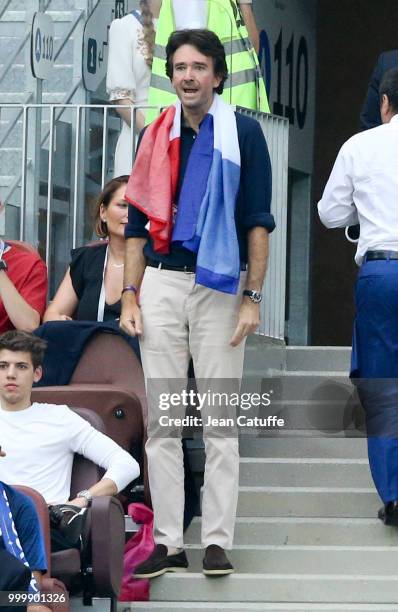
205, 221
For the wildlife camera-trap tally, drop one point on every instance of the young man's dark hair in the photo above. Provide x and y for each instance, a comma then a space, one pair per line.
207, 43
19, 341
389, 87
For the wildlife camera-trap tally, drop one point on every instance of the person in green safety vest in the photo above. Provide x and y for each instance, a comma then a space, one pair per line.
245, 86
135, 47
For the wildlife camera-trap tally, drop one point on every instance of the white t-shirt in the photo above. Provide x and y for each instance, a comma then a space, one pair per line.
40, 443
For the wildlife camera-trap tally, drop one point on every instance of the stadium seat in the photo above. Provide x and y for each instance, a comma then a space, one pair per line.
108, 380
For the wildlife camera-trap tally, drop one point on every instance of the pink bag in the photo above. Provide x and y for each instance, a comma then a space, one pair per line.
137, 550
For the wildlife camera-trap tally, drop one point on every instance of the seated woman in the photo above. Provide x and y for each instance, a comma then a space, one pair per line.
92, 286
91, 291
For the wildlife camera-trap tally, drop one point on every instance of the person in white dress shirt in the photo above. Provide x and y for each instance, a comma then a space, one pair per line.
363, 187
131, 43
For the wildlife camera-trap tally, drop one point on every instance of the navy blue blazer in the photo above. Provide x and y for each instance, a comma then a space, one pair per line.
370, 113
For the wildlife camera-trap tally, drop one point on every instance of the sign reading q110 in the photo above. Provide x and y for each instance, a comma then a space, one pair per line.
42, 46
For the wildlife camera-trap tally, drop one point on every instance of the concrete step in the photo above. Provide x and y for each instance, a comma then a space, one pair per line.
292, 588
15, 137
299, 472
10, 160
304, 401
18, 97
328, 358
195, 606
258, 559
304, 444
61, 79
308, 502
305, 531
9, 45
264, 355
312, 385
61, 10
287, 471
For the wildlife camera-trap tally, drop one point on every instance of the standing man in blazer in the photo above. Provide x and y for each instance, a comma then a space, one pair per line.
370, 113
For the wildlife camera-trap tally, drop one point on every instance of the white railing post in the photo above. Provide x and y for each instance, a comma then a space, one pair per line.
50, 189
22, 212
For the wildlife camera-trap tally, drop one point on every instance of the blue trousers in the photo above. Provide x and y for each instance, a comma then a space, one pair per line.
374, 368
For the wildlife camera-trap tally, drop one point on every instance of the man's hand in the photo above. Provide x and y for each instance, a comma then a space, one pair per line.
248, 321
134, 267
130, 319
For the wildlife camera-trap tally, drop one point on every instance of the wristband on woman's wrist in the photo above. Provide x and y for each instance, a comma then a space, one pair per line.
129, 288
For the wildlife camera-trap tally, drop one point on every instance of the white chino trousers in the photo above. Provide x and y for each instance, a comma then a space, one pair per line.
180, 320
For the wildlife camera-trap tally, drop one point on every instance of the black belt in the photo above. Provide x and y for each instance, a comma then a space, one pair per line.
374, 255
162, 266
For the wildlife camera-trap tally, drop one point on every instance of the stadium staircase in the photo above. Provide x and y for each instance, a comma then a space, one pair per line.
307, 536
15, 86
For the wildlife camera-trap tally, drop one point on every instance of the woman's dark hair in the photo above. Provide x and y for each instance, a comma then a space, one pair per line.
207, 43
20, 341
389, 87
104, 199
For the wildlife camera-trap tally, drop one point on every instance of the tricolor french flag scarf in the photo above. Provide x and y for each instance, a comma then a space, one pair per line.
10, 535
205, 219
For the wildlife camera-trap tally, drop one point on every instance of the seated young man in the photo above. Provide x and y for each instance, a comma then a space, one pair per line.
40, 440
22, 553
23, 288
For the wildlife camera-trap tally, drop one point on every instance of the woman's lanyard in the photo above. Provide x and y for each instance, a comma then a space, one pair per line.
101, 302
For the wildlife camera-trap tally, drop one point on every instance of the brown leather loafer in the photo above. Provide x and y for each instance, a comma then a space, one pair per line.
215, 562
159, 562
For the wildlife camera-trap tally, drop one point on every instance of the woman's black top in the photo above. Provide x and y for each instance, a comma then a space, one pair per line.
86, 271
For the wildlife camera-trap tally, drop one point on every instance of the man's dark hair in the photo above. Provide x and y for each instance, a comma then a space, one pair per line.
207, 43
389, 87
20, 341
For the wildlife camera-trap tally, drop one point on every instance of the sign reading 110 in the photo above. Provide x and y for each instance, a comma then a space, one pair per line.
291, 63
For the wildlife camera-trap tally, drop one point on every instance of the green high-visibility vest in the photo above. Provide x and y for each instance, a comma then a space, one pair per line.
244, 86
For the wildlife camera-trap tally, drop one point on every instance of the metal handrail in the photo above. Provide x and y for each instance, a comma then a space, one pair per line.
64, 40
4, 7
69, 33
68, 97
16, 118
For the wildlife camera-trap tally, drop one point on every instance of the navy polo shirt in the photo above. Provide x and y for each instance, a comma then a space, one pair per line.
28, 527
253, 201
